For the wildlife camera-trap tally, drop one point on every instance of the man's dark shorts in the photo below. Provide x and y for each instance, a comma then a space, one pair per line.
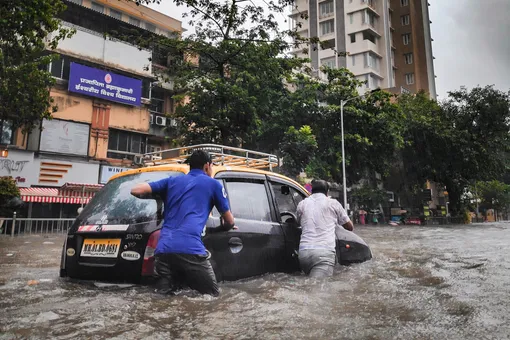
194, 271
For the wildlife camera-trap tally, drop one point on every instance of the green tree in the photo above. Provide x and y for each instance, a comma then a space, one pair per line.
24, 80
371, 129
492, 195
461, 140
297, 149
367, 197
239, 82
8, 193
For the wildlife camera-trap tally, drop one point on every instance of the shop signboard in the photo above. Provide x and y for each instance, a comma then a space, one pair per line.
19, 165
105, 84
65, 137
108, 171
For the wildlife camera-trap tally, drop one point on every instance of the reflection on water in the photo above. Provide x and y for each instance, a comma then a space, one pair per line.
423, 283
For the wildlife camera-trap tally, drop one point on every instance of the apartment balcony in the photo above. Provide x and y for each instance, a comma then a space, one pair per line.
363, 46
94, 47
300, 8
327, 36
327, 53
326, 16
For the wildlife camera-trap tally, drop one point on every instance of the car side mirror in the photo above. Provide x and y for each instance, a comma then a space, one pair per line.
285, 190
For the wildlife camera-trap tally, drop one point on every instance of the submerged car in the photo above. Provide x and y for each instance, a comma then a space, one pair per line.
116, 234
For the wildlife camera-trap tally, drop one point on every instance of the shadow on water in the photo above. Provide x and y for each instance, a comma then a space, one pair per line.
423, 283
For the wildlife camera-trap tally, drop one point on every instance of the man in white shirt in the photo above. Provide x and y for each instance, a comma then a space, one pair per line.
319, 216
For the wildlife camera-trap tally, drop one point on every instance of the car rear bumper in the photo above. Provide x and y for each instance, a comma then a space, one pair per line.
121, 268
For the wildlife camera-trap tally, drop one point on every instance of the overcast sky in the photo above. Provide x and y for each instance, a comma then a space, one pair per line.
471, 41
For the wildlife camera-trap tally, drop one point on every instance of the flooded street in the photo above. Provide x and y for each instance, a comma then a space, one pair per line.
423, 283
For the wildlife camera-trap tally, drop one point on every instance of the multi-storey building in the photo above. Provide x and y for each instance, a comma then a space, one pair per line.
387, 42
413, 46
112, 105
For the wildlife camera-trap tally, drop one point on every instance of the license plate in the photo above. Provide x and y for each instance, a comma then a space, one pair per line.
94, 247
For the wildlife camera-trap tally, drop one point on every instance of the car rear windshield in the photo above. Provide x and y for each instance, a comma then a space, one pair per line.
114, 204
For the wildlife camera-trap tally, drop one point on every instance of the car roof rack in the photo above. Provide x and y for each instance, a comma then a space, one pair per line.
221, 155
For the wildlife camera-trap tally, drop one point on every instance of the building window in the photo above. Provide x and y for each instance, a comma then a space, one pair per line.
353, 38
368, 2
124, 144
369, 36
115, 14
372, 61
329, 62
327, 27
408, 58
7, 136
134, 21
326, 8
351, 18
353, 58
371, 81
157, 100
406, 38
410, 78
405, 20
328, 44
404, 3
150, 27
97, 7
369, 18
60, 68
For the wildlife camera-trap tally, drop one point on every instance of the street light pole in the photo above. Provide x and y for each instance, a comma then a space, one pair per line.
344, 178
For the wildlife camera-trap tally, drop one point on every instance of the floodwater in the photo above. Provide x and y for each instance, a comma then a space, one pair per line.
423, 283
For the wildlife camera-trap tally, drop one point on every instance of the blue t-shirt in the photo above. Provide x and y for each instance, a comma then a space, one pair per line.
188, 202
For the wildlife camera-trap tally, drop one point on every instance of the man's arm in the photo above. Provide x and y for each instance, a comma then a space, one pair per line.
141, 190
227, 221
343, 218
222, 204
145, 190
348, 226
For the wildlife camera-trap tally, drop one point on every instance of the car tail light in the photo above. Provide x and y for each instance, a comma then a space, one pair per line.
148, 257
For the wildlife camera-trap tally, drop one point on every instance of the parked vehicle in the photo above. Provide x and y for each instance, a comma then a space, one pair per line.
115, 236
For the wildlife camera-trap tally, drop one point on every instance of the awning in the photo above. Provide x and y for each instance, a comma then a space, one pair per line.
70, 193
41, 195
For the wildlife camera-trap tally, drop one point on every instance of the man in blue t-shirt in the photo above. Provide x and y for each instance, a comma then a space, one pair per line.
180, 253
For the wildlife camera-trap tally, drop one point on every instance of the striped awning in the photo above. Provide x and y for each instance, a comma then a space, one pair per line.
55, 195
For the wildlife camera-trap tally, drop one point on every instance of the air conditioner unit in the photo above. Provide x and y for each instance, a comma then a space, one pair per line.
151, 119
160, 121
172, 122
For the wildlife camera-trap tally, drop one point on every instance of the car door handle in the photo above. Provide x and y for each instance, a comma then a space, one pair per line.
235, 241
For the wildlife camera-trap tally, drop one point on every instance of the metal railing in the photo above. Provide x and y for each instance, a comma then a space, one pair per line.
27, 226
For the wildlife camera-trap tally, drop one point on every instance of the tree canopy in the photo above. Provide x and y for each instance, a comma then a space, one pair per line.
24, 78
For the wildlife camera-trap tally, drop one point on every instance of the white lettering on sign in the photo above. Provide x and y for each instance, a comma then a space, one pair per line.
12, 166
115, 91
108, 171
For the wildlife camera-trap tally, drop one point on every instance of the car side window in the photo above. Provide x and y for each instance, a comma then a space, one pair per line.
287, 198
248, 199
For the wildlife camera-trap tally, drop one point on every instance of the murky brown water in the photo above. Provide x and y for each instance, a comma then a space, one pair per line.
423, 283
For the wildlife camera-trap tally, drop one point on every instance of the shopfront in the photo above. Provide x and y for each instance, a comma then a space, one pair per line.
50, 187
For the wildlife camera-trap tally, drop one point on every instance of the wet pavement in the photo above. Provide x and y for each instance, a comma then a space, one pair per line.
423, 283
